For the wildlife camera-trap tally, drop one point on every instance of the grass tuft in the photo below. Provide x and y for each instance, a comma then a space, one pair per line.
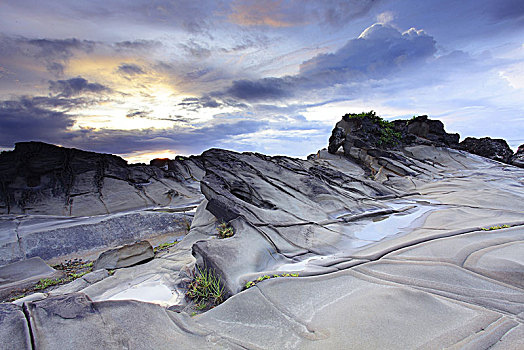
225, 231
206, 289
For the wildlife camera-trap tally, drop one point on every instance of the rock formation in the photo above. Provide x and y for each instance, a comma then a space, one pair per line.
496, 149
400, 241
518, 158
38, 178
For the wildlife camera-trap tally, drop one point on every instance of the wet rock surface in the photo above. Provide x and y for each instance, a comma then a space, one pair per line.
385, 245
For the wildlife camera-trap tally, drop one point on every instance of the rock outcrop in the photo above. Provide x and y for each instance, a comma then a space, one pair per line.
366, 134
496, 149
26, 236
419, 243
518, 157
38, 178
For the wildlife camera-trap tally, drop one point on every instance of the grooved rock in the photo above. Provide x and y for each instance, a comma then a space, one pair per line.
39, 178
496, 149
29, 236
127, 255
14, 331
518, 158
23, 274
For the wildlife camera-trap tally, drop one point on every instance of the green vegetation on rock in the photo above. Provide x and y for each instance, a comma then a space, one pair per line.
250, 284
225, 231
164, 246
387, 136
498, 227
206, 289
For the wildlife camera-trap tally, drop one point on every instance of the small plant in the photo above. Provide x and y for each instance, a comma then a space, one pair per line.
16, 297
47, 282
201, 306
164, 246
250, 284
206, 288
225, 231
74, 276
498, 227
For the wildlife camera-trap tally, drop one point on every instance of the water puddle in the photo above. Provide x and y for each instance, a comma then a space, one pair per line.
151, 292
366, 230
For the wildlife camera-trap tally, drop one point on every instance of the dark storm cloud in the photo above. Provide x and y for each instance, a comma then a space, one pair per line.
130, 69
26, 119
75, 87
262, 89
378, 52
29, 119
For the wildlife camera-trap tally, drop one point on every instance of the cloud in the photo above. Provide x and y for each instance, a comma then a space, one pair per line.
26, 119
54, 54
378, 52
137, 45
195, 49
75, 87
193, 104
277, 13
262, 89
130, 69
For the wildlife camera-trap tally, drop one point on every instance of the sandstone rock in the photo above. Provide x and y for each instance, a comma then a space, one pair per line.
414, 245
14, 330
496, 149
368, 131
23, 274
39, 178
29, 236
518, 158
127, 255
73, 321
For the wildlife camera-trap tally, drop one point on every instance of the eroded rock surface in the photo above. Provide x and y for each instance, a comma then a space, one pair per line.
124, 256
518, 157
48, 237
38, 178
402, 246
496, 149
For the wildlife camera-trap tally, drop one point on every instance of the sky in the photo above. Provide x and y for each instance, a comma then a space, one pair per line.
157, 78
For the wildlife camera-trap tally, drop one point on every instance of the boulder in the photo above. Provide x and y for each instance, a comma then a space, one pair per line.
518, 158
496, 149
124, 256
